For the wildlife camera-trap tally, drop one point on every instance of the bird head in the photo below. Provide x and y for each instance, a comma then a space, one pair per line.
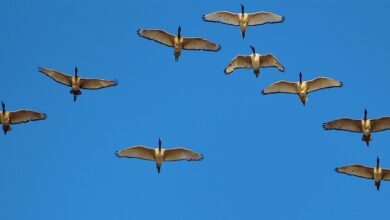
179, 31
159, 144
300, 77
253, 49
377, 162
3, 106
365, 114
75, 71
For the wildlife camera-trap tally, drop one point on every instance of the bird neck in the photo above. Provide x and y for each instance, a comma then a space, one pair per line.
377, 163
365, 115
3, 107
179, 32
300, 78
242, 9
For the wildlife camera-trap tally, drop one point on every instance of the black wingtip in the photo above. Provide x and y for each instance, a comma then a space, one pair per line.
263, 92
139, 32
204, 17
324, 126
336, 169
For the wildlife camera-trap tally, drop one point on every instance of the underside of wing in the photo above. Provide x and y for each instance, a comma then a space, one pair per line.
57, 76
96, 83
159, 36
139, 152
181, 154
224, 17
24, 116
322, 83
281, 87
260, 18
344, 124
197, 43
380, 124
240, 61
270, 60
357, 170
385, 174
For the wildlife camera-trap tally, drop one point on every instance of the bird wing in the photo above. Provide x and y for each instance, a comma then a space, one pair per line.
259, 18
322, 83
344, 124
240, 61
380, 124
196, 43
96, 83
385, 174
139, 152
24, 116
181, 154
159, 36
224, 17
281, 87
57, 76
357, 170
268, 60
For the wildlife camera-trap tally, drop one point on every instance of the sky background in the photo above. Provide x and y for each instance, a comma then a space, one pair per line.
266, 157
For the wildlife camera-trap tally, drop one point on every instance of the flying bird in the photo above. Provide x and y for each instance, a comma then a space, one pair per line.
255, 61
302, 88
365, 126
178, 42
377, 173
160, 154
17, 117
77, 82
243, 19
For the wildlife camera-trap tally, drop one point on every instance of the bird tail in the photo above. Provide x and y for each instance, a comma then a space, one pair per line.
6, 129
177, 55
367, 139
378, 185
256, 72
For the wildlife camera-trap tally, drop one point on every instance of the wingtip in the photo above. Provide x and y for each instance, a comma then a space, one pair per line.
324, 126
117, 154
336, 169
341, 84
263, 92
139, 32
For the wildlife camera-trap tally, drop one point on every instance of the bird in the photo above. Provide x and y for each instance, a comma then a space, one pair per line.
255, 61
22, 116
77, 82
159, 155
365, 126
302, 88
178, 42
377, 173
243, 19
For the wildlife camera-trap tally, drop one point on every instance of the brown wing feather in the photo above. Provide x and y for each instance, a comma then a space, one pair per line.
197, 43
322, 83
386, 174
357, 170
223, 17
344, 124
380, 124
24, 116
240, 61
139, 152
260, 18
57, 76
181, 154
96, 83
159, 36
269, 60
281, 87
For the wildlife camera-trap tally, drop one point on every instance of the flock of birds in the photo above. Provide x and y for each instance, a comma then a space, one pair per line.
255, 61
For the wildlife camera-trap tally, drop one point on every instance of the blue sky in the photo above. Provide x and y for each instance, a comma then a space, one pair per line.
266, 157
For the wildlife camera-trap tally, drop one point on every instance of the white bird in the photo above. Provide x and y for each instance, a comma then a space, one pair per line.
376, 173
255, 61
365, 126
160, 154
302, 88
243, 19
77, 82
178, 42
17, 117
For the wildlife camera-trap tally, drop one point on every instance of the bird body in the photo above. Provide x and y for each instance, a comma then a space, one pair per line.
243, 19
159, 154
178, 42
22, 116
77, 83
255, 61
302, 88
365, 126
376, 173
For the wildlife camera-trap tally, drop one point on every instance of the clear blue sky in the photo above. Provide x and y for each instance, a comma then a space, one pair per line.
266, 157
